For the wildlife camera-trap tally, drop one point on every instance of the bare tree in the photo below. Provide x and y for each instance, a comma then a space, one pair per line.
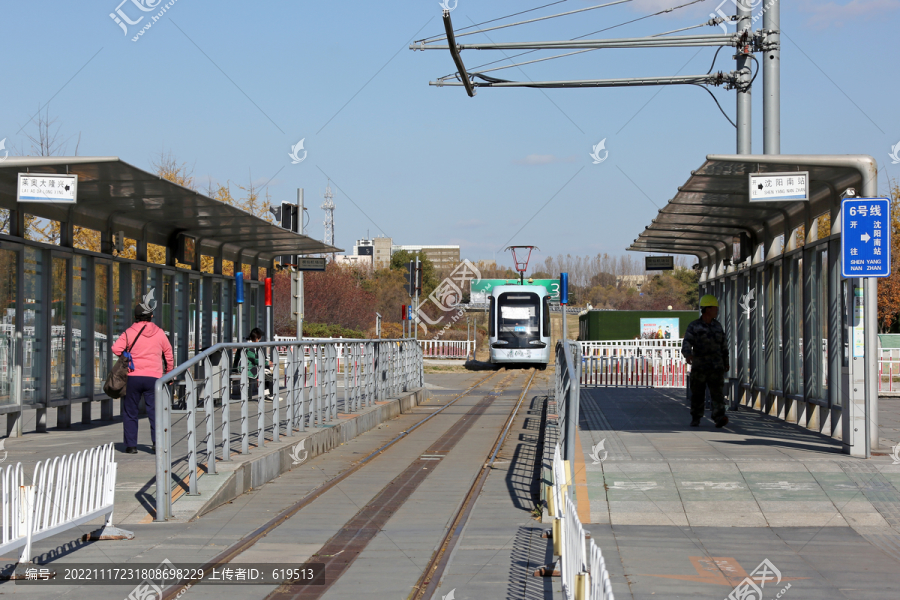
45, 138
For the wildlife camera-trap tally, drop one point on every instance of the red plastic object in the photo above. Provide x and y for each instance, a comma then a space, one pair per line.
268, 291
402, 312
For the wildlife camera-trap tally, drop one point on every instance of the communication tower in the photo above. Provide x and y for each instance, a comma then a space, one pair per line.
328, 207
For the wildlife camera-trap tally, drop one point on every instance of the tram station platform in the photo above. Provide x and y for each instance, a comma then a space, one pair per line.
680, 511
502, 544
135, 496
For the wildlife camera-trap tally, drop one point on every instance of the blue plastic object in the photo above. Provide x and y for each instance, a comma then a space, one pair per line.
563, 288
239, 284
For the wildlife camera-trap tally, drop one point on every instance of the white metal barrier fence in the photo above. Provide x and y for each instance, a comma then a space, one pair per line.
643, 348
368, 370
582, 567
889, 370
65, 492
447, 348
616, 371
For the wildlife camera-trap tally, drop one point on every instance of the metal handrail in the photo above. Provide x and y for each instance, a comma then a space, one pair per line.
568, 390
371, 369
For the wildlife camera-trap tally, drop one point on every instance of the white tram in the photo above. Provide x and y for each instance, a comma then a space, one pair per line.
519, 325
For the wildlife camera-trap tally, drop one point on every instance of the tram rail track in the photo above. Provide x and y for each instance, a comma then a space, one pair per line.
233, 551
430, 580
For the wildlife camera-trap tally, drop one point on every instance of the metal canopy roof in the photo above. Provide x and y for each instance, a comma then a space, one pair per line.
116, 196
713, 205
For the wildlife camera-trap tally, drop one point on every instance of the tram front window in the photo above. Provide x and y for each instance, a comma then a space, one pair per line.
519, 320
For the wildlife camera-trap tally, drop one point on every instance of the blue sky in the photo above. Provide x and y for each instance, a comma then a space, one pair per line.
230, 87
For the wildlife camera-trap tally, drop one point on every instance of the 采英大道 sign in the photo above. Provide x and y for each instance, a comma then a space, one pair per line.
60, 189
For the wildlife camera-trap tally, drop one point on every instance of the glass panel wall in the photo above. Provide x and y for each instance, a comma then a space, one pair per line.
101, 325
823, 320
166, 301
34, 335
194, 327
81, 291
217, 336
773, 302
58, 329
8, 287
122, 315
137, 285
179, 344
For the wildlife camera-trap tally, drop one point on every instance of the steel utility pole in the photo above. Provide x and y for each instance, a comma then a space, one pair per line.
744, 114
299, 272
771, 68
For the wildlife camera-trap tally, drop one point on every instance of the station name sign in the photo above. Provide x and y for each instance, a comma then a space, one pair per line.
779, 187
310, 264
59, 189
659, 263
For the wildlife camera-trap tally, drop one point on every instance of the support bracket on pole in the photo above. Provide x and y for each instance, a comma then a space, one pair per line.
457, 59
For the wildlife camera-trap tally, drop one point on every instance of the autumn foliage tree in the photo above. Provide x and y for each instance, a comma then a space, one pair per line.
889, 287
331, 297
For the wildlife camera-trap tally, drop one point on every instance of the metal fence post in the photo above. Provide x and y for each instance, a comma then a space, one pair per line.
276, 400
245, 408
290, 375
210, 411
226, 406
191, 392
163, 453
346, 351
260, 400
332, 380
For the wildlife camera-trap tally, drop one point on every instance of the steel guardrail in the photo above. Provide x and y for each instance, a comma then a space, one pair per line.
371, 370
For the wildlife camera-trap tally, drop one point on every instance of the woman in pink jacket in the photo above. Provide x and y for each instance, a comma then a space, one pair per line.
151, 354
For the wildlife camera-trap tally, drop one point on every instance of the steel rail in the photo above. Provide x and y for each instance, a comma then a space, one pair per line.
246, 542
431, 576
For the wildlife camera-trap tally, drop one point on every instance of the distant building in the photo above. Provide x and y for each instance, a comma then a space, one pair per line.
631, 281
378, 249
444, 257
382, 252
363, 262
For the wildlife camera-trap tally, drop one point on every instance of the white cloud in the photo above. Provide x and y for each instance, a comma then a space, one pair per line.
543, 159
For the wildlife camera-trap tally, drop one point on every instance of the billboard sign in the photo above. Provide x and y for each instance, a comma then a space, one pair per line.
660, 328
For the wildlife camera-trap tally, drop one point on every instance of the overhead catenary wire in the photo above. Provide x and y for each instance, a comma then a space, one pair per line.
535, 20
493, 62
441, 37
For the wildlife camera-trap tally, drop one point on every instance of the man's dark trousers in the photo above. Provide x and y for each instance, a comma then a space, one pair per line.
700, 380
137, 387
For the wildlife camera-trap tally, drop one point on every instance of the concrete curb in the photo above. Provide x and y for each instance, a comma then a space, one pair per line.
237, 477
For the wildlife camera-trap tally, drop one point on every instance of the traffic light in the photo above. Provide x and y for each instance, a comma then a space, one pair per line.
288, 216
414, 277
410, 279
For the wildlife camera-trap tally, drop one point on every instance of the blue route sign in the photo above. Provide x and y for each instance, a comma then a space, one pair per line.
866, 237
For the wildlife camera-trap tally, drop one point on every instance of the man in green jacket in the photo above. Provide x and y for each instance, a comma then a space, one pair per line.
705, 348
